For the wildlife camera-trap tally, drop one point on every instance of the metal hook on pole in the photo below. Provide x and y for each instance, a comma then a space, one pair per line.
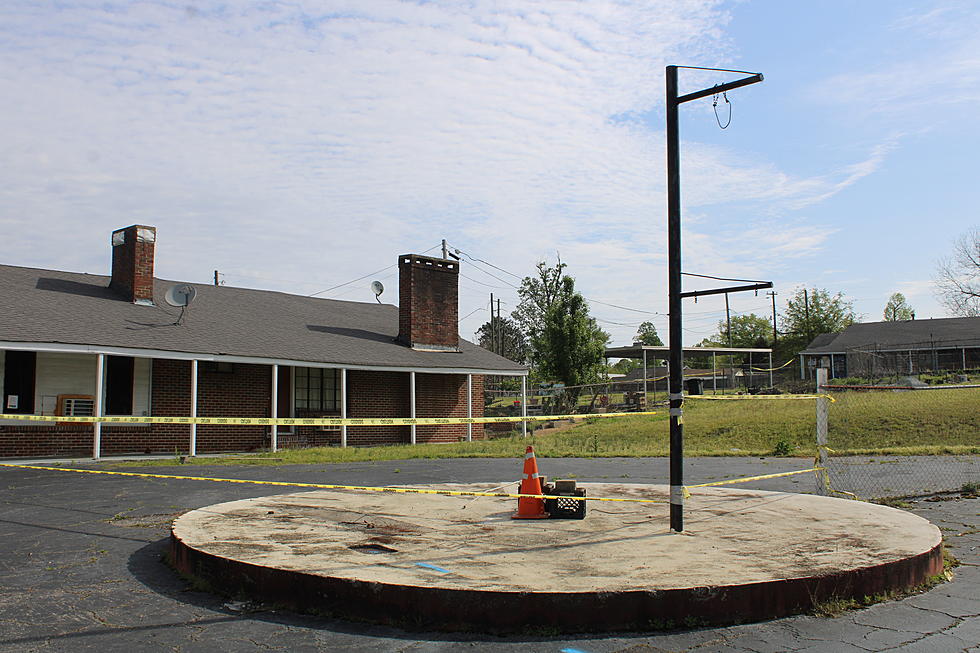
714, 105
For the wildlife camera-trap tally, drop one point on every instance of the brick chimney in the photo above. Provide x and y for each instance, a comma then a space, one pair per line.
428, 303
132, 263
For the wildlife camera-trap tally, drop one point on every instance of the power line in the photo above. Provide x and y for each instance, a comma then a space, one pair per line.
474, 259
595, 301
482, 283
708, 276
369, 274
479, 308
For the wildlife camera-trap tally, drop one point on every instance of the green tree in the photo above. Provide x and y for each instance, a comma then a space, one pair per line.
570, 346
514, 342
748, 331
647, 334
624, 366
565, 342
810, 312
897, 309
537, 294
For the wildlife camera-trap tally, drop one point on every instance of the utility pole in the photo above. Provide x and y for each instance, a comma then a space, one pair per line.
216, 277
806, 311
493, 328
500, 330
445, 249
731, 359
674, 271
728, 321
774, 336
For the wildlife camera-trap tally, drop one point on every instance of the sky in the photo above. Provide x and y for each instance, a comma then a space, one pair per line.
302, 146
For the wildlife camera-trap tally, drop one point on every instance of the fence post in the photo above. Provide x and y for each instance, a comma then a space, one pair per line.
823, 476
524, 406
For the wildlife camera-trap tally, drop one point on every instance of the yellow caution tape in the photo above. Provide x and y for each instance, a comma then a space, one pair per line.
404, 490
773, 369
751, 478
308, 421
730, 397
327, 486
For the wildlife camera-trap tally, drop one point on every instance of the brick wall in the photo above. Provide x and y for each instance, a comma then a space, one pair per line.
132, 263
243, 393
444, 395
428, 301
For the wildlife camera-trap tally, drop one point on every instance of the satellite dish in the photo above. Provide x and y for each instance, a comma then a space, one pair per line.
181, 295
377, 288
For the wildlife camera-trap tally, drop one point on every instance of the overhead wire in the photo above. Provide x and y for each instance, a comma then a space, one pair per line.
369, 274
595, 301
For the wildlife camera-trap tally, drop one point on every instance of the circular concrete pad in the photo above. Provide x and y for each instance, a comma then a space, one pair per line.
461, 563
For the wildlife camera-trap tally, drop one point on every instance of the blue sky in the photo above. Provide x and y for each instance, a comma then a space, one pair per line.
297, 146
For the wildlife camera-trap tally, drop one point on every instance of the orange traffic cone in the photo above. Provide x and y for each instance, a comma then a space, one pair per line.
529, 507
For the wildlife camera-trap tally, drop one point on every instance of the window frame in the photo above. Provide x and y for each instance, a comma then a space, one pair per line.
316, 390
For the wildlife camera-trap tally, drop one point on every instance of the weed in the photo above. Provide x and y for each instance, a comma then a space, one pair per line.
894, 502
783, 448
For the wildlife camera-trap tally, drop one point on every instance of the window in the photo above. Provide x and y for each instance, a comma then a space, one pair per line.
317, 390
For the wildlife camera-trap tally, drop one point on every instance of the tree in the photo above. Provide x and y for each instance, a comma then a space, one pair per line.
897, 309
537, 295
748, 331
624, 366
565, 342
569, 347
811, 312
514, 342
958, 280
646, 334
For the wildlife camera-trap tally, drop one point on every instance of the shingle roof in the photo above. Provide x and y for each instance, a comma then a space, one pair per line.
912, 334
822, 341
66, 308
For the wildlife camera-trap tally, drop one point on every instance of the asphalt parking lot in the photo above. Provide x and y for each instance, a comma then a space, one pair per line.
80, 569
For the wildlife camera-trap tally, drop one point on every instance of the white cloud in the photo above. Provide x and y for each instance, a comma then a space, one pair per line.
943, 74
296, 147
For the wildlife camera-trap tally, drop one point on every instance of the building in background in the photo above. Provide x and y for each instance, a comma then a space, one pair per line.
876, 349
80, 344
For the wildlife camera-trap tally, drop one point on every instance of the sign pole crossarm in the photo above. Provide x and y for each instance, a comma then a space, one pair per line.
721, 88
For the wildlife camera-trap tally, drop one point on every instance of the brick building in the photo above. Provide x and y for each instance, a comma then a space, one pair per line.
80, 344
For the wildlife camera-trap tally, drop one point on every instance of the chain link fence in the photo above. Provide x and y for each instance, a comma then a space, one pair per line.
928, 424
931, 433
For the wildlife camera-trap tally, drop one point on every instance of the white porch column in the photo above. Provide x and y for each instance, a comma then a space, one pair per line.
97, 430
274, 411
714, 374
193, 447
469, 407
644, 379
411, 400
343, 406
524, 405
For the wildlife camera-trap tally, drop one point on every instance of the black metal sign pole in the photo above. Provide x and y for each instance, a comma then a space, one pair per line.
676, 356
676, 340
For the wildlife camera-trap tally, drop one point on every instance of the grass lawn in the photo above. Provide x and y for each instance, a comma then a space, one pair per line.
911, 423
